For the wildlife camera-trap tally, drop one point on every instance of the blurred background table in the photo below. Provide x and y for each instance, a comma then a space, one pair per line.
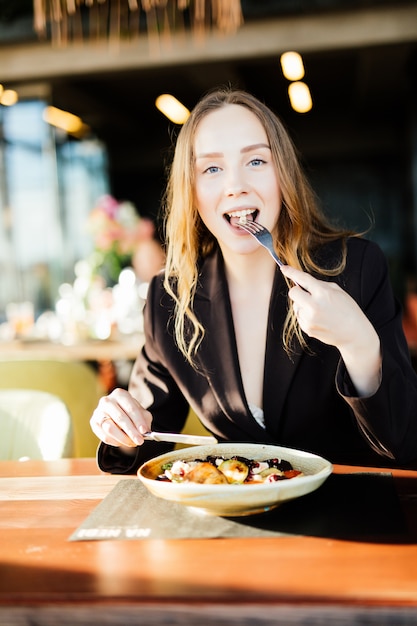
87, 350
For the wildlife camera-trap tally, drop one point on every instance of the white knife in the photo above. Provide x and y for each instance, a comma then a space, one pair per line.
194, 440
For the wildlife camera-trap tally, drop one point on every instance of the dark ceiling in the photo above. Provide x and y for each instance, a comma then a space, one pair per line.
361, 99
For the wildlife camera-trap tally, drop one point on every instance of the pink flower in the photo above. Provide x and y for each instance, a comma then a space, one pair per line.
109, 206
117, 226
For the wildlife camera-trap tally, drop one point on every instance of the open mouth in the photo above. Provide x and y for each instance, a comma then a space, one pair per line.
235, 218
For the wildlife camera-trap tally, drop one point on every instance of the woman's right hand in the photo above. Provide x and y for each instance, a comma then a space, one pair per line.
119, 420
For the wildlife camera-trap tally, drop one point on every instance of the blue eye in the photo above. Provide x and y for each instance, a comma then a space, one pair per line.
212, 169
257, 162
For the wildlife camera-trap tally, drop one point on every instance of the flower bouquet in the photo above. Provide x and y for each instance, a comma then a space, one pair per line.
117, 231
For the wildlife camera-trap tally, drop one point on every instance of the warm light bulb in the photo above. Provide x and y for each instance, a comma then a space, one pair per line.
62, 119
292, 65
172, 108
300, 97
8, 97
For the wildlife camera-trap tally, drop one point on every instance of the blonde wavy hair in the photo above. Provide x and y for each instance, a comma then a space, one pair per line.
301, 226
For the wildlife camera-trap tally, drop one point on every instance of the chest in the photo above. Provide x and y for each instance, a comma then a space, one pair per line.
250, 319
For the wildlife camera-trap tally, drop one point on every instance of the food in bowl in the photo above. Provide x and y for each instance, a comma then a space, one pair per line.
217, 469
234, 499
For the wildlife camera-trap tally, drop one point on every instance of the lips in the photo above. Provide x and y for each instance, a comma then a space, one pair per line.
236, 217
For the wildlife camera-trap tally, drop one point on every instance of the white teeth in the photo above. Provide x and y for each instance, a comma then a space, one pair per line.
241, 214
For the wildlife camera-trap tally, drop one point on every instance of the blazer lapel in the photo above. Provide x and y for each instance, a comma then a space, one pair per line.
280, 368
217, 355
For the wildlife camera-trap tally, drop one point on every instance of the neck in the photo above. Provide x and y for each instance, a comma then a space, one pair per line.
244, 271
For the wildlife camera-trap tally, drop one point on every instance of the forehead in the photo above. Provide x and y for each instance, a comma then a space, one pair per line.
228, 126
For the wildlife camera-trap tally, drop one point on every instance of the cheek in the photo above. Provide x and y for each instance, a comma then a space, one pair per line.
271, 183
207, 213
207, 217
273, 191
199, 194
201, 204
205, 198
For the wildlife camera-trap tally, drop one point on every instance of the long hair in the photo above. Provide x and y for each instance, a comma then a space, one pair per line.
300, 230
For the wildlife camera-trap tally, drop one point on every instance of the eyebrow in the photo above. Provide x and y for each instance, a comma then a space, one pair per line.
212, 155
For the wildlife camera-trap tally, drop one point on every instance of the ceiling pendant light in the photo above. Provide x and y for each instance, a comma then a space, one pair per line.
300, 97
292, 65
8, 97
71, 124
172, 108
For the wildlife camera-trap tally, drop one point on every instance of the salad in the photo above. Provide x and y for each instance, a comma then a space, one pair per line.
220, 470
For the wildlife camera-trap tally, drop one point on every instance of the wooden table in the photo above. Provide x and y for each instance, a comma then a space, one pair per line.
88, 350
45, 579
102, 352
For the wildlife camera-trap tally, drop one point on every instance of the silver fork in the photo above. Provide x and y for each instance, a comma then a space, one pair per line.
263, 236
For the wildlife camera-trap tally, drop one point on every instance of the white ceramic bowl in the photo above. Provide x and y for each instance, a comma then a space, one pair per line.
234, 500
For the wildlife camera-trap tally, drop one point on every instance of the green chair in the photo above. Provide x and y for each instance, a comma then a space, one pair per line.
34, 425
75, 383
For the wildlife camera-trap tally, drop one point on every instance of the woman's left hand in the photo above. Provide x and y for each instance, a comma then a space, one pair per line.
328, 313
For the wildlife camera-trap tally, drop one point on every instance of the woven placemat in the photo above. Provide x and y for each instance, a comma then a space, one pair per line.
360, 507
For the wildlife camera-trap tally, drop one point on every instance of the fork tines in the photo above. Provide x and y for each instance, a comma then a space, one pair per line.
263, 237
251, 227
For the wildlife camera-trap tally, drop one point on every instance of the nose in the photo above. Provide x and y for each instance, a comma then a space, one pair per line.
235, 182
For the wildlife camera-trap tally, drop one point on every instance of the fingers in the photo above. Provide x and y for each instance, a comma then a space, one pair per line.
119, 420
301, 292
319, 306
311, 301
301, 279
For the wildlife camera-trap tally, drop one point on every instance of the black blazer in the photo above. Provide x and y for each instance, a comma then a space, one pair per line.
309, 402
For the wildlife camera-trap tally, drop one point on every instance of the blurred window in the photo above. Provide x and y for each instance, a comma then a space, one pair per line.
49, 182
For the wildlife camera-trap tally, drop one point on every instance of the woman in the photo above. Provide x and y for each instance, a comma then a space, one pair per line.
310, 355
